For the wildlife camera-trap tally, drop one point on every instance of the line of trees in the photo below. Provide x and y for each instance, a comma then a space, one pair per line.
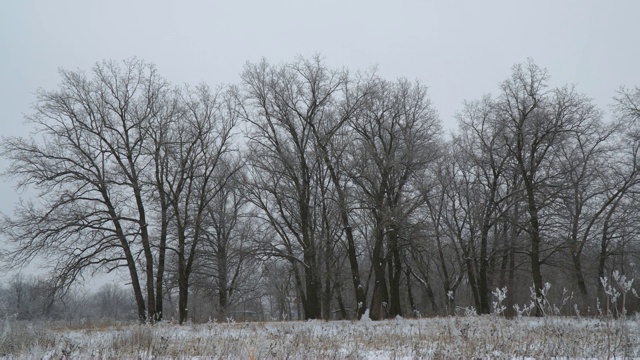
29, 298
311, 192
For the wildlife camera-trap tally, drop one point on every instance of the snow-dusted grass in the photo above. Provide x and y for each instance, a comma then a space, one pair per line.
451, 337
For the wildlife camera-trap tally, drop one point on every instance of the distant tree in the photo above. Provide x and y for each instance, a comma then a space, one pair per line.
111, 301
30, 298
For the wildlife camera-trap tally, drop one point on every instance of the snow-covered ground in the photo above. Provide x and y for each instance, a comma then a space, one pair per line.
450, 337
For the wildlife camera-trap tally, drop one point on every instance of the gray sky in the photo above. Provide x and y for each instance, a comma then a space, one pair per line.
460, 49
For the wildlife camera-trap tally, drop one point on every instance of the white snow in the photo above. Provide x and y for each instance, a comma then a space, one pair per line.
365, 317
447, 337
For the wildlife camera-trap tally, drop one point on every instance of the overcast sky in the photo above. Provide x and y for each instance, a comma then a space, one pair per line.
459, 49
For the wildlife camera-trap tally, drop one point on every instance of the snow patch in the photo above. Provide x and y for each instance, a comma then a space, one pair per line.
365, 317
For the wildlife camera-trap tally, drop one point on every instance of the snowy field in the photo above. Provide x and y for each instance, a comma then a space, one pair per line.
451, 337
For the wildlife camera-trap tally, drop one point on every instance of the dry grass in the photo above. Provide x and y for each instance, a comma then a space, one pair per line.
454, 337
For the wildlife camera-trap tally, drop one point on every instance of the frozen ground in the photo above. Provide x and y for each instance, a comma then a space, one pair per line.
451, 337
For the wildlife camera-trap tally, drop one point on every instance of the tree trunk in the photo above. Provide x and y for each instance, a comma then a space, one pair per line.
131, 263
535, 250
473, 283
146, 245
160, 165
576, 251
312, 307
483, 281
395, 272
380, 297
446, 283
577, 268
326, 296
604, 254
223, 310
361, 296
161, 265
412, 304
137, 291
302, 298
341, 307
183, 288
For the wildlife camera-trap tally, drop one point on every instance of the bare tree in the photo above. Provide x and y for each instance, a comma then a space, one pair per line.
225, 263
591, 187
111, 301
157, 137
30, 298
87, 163
397, 135
196, 149
482, 155
283, 103
627, 105
331, 139
619, 178
447, 224
536, 122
